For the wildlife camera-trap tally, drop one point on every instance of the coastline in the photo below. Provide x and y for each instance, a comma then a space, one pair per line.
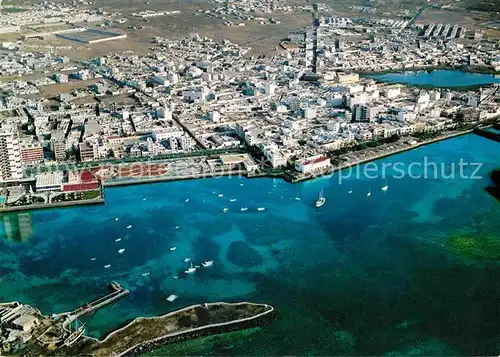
383, 155
156, 179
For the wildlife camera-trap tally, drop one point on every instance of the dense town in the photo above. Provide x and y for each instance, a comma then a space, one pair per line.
198, 106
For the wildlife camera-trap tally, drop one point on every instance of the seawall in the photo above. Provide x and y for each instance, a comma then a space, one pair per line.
95, 201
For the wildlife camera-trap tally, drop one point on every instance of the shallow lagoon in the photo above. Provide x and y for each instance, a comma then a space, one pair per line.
437, 78
361, 275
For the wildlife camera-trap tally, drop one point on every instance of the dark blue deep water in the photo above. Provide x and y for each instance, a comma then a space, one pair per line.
437, 78
361, 275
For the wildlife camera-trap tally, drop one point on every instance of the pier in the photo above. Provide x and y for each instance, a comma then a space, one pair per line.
117, 292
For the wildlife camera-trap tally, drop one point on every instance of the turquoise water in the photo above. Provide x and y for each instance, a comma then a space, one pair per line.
437, 78
361, 275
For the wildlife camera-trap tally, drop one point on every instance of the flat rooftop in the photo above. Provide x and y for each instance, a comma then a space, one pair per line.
92, 35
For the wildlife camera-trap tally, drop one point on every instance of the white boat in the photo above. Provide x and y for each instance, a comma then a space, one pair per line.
93, 259
369, 192
297, 198
190, 270
176, 227
187, 260
120, 251
241, 184
172, 248
175, 277
118, 239
232, 200
129, 226
145, 274
386, 187
321, 200
107, 266
207, 263
196, 266
225, 209
144, 199
116, 218
186, 200
220, 195
260, 209
244, 209
350, 191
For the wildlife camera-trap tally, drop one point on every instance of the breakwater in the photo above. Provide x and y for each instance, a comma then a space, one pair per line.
213, 329
187, 323
94, 201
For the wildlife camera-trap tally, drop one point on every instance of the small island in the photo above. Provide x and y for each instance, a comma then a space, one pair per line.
25, 331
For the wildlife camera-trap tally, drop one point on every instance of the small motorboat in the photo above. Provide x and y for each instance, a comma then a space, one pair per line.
207, 263
225, 209
186, 200
93, 259
129, 226
145, 274
220, 195
116, 218
232, 200
175, 277
244, 209
190, 270
385, 187
120, 251
107, 266
118, 239
172, 248
187, 260
260, 209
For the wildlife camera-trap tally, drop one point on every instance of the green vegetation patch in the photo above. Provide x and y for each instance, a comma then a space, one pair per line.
478, 247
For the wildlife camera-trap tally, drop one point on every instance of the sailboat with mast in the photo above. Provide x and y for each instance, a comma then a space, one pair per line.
191, 269
385, 187
321, 200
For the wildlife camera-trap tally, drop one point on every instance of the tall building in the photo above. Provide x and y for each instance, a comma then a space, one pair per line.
10, 155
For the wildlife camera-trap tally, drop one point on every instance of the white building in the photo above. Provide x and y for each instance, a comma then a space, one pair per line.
393, 92
167, 133
269, 89
195, 94
404, 115
164, 113
10, 155
309, 113
312, 164
186, 142
214, 116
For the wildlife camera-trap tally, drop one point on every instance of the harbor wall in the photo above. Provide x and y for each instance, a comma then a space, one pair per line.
95, 201
147, 180
224, 327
